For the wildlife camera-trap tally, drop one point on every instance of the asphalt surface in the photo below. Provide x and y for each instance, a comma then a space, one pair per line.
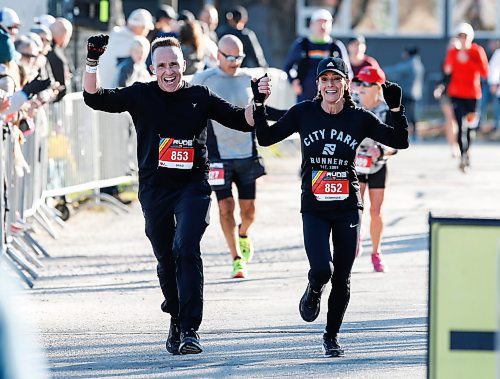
97, 304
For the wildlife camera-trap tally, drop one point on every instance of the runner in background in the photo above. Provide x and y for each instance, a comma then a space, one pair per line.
233, 154
306, 52
371, 160
465, 67
440, 92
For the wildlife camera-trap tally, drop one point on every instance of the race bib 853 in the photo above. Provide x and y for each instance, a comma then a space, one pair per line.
175, 153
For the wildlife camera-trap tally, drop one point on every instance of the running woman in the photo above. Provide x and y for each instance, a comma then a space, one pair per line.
465, 65
170, 118
371, 160
331, 129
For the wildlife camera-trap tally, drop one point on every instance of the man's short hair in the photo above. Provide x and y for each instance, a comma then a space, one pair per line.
164, 42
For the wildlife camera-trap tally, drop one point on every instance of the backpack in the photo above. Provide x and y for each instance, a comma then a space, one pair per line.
303, 64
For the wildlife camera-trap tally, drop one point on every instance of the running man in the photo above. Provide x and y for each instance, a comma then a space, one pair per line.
330, 129
170, 118
233, 155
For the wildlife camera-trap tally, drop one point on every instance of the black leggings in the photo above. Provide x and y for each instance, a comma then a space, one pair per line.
175, 227
344, 228
461, 107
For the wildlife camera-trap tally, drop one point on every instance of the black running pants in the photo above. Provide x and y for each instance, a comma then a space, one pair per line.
175, 227
343, 227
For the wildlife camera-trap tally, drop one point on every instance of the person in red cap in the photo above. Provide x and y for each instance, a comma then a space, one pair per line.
331, 129
372, 156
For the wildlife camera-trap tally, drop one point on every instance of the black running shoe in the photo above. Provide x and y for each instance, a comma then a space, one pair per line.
190, 342
331, 346
310, 303
174, 337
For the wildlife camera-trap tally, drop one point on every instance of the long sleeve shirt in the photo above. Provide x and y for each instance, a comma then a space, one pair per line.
171, 130
466, 68
328, 144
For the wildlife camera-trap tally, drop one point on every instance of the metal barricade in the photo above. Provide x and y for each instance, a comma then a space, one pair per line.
74, 149
87, 150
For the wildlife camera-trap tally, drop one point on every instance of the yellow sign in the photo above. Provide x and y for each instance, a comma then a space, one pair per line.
463, 298
104, 11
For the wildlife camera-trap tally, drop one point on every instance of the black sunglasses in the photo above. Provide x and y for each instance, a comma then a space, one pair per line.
232, 58
367, 84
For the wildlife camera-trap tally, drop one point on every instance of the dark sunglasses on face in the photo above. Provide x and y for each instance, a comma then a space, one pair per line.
232, 58
366, 84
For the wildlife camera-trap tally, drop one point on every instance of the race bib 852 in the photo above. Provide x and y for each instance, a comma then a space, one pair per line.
330, 186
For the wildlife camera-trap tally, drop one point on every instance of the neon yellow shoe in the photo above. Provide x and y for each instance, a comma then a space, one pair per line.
246, 248
239, 268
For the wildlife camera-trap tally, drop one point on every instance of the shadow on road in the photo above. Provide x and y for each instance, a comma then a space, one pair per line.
259, 352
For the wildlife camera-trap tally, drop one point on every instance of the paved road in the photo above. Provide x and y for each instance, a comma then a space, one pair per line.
97, 305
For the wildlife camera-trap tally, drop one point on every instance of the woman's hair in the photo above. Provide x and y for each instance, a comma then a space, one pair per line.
347, 97
192, 34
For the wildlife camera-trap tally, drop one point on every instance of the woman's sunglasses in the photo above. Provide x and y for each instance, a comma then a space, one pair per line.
366, 84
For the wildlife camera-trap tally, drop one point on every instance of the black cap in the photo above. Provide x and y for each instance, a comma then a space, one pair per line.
237, 13
335, 65
358, 38
186, 15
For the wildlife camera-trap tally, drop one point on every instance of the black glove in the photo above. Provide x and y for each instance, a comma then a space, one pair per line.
96, 46
36, 86
392, 94
257, 96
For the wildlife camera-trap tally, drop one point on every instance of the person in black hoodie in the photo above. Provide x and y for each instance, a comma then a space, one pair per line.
331, 129
237, 18
170, 117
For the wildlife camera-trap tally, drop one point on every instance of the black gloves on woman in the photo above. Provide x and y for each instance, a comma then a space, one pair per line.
392, 94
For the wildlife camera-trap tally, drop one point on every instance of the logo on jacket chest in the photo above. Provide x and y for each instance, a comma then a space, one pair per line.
333, 134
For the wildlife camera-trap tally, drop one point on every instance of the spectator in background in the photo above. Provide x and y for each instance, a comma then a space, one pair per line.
9, 70
191, 39
61, 31
209, 19
133, 69
27, 63
488, 97
237, 18
10, 21
409, 74
356, 48
306, 52
165, 24
139, 23
186, 15
465, 66
45, 35
450, 124
494, 82
45, 20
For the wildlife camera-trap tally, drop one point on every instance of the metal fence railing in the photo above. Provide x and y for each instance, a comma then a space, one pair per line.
72, 149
